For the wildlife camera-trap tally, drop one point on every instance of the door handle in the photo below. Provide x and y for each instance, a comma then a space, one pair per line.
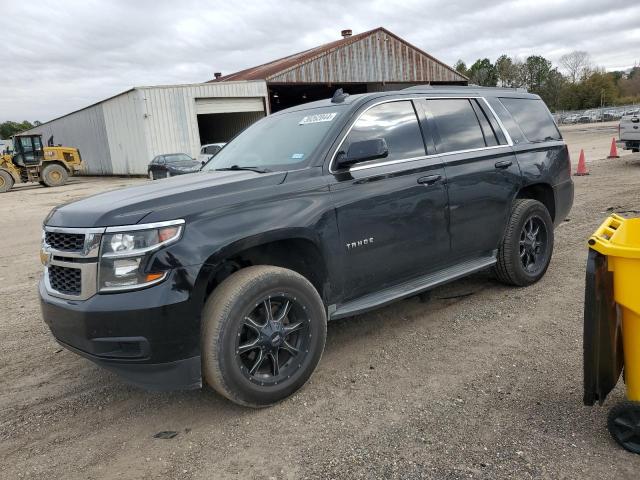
503, 164
429, 179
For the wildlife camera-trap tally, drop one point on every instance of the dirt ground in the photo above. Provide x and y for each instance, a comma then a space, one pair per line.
594, 138
482, 381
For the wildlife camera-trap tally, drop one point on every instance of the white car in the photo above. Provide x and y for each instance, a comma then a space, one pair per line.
208, 151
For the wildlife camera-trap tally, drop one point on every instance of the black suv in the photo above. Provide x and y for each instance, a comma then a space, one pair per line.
317, 212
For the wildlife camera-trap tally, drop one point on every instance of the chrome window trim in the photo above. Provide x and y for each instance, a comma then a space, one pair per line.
403, 160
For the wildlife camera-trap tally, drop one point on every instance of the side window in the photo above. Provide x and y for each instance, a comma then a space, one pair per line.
161, 160
533, 117
37, 143
457, 125
397, 123
27, 146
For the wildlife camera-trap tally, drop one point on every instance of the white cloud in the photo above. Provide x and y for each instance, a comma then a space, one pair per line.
60, 56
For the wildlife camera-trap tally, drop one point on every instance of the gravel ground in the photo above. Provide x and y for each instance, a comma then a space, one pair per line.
480, 381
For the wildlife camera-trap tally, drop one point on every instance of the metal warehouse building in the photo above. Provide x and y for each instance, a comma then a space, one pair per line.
120, 135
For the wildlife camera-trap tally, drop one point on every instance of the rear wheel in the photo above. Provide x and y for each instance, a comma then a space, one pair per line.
525, 252
54, 175
263, 334
6, 181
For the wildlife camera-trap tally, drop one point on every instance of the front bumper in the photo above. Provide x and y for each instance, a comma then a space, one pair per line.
149, 337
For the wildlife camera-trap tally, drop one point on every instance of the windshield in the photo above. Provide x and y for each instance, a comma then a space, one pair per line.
280, 142
180, 158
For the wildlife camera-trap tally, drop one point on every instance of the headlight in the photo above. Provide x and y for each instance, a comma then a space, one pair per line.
125, 253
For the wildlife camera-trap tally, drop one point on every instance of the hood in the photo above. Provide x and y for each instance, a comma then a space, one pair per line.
130, 205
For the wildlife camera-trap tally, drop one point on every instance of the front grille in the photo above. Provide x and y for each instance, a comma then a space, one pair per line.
66, 242
65, 280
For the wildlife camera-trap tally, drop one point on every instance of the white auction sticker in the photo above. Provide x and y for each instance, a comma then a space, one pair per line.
318, 118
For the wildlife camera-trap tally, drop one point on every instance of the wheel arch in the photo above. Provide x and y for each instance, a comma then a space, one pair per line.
295, 249
542, 192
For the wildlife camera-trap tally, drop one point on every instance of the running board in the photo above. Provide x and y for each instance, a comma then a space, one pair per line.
411, 288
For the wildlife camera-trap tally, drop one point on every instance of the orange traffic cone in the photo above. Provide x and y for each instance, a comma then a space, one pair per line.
582, 165
613, 153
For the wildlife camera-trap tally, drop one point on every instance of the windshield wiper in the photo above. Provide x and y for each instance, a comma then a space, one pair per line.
237, 167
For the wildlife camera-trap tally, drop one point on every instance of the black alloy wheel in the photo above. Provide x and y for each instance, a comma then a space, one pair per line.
273, 340
263, 333
533, 244
526, 248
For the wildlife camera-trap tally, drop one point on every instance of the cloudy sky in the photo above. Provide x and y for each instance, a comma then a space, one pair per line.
60, 56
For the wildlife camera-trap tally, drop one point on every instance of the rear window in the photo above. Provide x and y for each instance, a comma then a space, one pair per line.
457, 125
533, 117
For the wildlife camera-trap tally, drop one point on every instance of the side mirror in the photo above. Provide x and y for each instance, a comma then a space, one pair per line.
363, 151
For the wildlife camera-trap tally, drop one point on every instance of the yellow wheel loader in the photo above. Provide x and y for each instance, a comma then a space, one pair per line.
30, 161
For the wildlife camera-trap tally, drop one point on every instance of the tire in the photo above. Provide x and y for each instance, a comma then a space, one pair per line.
230, 319
623, 423
6, 181
635, 150
54, 175
512, 268
151, 175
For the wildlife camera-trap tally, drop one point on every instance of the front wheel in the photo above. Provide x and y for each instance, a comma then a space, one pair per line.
263, 333
6, 181
525, 252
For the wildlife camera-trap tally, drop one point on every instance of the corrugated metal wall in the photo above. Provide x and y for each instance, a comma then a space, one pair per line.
124, 119
121, 135
171, 123
379, 57
85, 130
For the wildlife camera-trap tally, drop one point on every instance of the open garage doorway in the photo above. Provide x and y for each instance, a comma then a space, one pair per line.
222, 127
221, 119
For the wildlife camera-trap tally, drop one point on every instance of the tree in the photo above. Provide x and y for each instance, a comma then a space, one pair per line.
9, 129
577, 64
461, 67
552, 89
599, 88
536, 71
483, 73
505, 71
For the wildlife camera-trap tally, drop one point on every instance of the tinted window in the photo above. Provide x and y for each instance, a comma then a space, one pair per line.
211, 149
533, 117
283, 141
457, 125
396, 123
178, 158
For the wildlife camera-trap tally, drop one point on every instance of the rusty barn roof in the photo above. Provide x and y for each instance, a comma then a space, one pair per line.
377, 55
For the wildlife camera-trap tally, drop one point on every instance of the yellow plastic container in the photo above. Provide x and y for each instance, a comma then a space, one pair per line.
619, 239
